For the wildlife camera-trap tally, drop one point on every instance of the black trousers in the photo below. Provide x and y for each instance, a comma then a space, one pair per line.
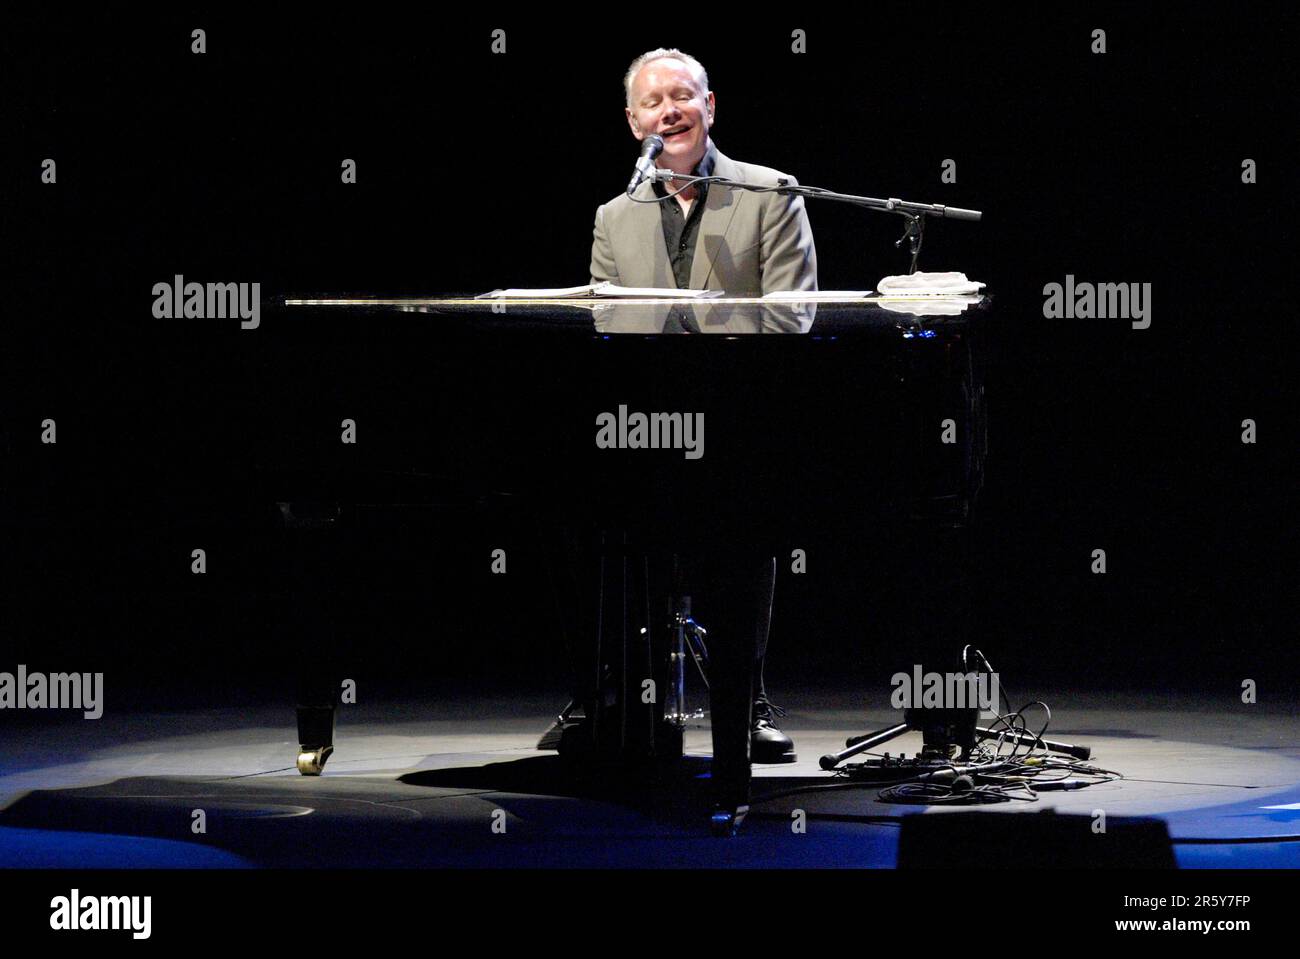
731, 584
732, 591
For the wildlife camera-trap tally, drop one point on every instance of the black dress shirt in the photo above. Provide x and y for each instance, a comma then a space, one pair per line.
680, 230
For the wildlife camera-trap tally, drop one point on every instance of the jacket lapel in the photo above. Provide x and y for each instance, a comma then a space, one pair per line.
650, 240
719, 208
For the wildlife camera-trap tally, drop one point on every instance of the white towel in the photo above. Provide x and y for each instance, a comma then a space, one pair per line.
928, 284
929, 305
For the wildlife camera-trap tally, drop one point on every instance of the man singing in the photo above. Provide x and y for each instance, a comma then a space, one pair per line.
745, 243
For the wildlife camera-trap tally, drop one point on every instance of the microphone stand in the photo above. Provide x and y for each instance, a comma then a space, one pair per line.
914, 214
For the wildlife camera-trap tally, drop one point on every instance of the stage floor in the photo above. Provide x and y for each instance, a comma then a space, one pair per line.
431, 783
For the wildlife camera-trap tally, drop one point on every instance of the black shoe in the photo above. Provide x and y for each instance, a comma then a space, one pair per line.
767, 744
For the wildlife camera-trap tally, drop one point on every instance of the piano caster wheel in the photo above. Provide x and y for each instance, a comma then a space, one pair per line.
312, 761
725, 822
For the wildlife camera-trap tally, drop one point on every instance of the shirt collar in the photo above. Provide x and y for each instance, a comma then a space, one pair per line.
703, 168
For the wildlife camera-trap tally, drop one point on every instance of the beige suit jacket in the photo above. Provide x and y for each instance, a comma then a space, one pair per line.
748, 244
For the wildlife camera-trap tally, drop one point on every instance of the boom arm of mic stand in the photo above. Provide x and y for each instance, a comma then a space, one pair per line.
892, 205
915, 213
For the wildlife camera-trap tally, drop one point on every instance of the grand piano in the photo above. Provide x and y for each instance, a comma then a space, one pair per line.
814, 413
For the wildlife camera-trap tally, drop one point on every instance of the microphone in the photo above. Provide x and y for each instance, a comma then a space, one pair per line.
651, 147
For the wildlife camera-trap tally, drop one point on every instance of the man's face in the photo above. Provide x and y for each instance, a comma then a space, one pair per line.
668, 99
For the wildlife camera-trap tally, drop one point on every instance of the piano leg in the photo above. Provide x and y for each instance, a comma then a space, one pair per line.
316, 706
311, 610
317, 689
316, 738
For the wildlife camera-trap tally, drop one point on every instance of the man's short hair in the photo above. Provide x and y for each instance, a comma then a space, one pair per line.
663, 53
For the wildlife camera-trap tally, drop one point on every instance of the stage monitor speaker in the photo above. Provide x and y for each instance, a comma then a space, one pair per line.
1040, 840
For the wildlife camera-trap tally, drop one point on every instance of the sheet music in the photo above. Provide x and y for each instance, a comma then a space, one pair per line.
645, 292
817, 294
556, 293
601, 290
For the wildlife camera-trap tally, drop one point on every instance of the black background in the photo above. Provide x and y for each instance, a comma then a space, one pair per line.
478, 170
